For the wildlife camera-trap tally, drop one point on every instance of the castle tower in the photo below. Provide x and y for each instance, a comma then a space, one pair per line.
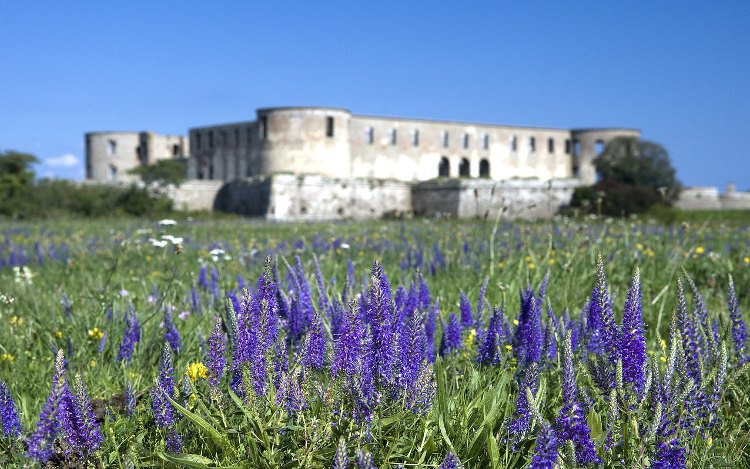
304, 140
590, 143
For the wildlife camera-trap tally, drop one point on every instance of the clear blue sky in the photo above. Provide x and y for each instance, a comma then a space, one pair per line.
679, 71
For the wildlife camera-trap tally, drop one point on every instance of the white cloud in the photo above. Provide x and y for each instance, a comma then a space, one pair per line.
67, 160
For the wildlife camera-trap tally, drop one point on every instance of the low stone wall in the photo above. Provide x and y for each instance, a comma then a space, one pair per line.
484, 198
310, 197
709, 198
699, 198
195, 194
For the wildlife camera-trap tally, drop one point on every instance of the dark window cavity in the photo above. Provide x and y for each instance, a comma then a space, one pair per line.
484, 168
329, 126
444, 169
463, 168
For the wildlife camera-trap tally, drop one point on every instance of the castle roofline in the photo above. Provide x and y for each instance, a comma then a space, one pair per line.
607, 129
461, 123
302, 108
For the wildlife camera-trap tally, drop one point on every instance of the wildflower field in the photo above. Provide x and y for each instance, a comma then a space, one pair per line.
422, 343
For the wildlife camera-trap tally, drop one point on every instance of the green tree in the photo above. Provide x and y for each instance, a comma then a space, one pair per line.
634, 162
634, 175
16, 182
163, 173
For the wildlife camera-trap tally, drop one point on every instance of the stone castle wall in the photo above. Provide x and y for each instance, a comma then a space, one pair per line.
286, 197
336, 143
709, 198
514, 199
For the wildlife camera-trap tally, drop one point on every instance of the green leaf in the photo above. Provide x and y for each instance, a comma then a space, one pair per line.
219, 439
187, 460
595, 424
493, 450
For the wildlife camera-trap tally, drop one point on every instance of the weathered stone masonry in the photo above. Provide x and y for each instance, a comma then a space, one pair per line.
335, 154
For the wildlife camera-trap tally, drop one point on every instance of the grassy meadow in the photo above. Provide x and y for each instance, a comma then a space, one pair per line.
420, 343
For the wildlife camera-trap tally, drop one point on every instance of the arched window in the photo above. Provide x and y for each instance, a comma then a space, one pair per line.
444, 169
463, 168
484, 168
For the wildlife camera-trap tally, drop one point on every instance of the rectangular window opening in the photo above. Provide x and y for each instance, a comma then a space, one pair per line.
551, 145
329, 126
263, 130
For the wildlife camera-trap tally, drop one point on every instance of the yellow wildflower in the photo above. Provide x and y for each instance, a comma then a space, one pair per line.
531, 266
639, 246
92, 363
551, 262
509, 348
6, 357
746, 260
16, 321
196, 370
649, 252
470, 337
515, 322
58, 334
663, 358
95, 333
700, 250
527, 258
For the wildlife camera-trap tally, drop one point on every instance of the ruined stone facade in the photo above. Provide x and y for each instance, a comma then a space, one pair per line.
336, 143
323, 163
110, 155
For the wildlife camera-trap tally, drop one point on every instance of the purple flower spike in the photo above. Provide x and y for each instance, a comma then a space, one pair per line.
130, 337
451, 461
341, 458
546, 449
380, 315
348, 344
8, 413
315, 345
464, 305
215, 360
571, 423
89, 435
669, 456
632, 341
51, 420
171, 334
451, 340
164, 386
521, 422
129, 399
739, 329
363, 460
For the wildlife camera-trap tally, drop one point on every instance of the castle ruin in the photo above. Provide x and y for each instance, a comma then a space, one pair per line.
320, 162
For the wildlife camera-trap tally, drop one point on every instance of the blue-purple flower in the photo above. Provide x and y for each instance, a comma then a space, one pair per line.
451, 461
451, 340
11, 425
739, 329
215, 359
571, 423
632, 341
